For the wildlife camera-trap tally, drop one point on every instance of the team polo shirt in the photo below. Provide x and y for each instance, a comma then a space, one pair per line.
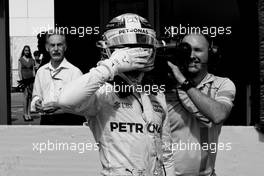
195, 138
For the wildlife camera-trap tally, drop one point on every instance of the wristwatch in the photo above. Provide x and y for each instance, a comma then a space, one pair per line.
186, 85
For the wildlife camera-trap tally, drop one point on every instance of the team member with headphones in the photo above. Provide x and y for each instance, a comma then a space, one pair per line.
197, 106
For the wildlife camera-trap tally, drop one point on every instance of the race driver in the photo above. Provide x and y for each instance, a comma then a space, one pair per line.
129, 126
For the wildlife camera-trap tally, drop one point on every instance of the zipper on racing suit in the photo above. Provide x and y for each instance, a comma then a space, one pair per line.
159, 168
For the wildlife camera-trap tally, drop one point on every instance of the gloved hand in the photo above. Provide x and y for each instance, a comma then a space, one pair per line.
126, 59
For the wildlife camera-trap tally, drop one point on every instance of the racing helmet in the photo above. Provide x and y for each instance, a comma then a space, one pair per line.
128, 30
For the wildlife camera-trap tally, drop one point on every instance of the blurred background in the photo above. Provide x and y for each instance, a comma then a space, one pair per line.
240, 48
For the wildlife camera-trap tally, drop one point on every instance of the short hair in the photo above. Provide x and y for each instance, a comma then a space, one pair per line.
207, 37
56, 31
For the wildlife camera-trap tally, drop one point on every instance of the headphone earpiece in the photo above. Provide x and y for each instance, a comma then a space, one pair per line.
213, 49
214, 55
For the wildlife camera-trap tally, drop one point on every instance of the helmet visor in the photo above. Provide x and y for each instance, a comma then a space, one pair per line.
123, 36
132, 38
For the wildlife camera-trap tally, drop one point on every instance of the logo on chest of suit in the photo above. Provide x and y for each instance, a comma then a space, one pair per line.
125, 127
157, 107
125, 105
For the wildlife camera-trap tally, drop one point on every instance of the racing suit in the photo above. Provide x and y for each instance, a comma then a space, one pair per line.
129, 131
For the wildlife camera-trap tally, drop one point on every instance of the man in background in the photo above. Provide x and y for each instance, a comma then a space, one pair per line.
49, 81
198, 106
